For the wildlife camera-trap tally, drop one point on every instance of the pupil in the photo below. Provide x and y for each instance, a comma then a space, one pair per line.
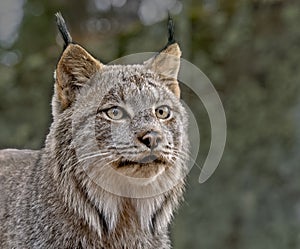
161, 112
115, 112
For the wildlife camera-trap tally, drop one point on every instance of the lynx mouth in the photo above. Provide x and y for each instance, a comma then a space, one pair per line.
147, 160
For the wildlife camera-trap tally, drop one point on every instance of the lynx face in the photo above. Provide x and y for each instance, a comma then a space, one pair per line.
138, 121
131, 128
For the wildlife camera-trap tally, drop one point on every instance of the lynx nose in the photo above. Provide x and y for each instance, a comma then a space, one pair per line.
151, 139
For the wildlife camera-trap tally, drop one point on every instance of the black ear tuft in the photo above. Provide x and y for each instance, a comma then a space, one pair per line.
171, 38
62, 27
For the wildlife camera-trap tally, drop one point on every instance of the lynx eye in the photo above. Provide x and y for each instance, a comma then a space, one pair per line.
163, 112
116, 113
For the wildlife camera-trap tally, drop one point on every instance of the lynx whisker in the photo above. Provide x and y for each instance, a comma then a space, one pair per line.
71, 167
93, 153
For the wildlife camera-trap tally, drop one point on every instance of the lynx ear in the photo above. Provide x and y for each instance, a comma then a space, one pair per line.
167, 62
75, 67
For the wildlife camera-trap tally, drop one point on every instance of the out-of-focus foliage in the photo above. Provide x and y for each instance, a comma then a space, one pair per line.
251, 52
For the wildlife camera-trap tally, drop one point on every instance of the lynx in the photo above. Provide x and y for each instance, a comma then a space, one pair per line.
112, 171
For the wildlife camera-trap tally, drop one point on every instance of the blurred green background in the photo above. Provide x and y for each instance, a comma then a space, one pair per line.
251, 52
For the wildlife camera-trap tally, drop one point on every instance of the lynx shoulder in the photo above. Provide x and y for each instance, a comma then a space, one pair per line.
112, 171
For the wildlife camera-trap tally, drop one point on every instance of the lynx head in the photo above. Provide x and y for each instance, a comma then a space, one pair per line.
122, 127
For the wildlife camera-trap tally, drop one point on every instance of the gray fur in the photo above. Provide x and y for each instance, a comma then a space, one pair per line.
68, 195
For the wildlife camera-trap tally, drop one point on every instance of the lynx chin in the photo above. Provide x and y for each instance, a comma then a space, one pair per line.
112, 171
